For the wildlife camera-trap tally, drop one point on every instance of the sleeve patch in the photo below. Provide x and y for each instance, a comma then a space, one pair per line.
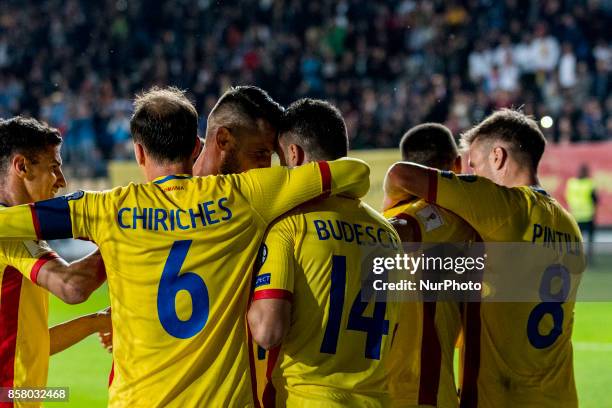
262, 255
430, 217
77, 195
262, 280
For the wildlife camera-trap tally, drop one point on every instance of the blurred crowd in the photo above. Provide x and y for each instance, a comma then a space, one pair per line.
386, 64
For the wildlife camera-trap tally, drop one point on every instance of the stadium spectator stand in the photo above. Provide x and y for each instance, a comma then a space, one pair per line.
387, 65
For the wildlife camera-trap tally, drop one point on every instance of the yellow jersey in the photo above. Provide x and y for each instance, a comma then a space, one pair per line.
176, 250
518, 354
337, 349
24, 335
422, 372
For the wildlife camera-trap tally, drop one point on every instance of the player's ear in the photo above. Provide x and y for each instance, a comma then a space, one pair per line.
197, 149
19, 166
297, 156
499, 157
139, 154
223, 139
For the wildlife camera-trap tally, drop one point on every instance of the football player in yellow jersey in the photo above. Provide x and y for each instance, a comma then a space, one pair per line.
236, 141
233, 146
30, 169
517, 354
175, 251
307, 295
422, 368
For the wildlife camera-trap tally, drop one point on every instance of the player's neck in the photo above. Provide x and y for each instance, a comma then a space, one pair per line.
523, 179
13, 195
161, 170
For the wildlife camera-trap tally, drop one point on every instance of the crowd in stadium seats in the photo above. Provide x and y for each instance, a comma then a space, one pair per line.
387, 65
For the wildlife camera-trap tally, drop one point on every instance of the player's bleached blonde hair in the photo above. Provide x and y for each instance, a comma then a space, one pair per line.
519, 131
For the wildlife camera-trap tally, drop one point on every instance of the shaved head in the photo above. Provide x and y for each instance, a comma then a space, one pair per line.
240, 133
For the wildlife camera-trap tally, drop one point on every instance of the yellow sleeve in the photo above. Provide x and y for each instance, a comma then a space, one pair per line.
276, 263
27, 256
89, 212
274, 191
72, 215
17, 223
486, 206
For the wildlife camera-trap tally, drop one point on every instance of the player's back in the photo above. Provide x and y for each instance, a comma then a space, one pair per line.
422, 367
337, 348
526, 351
519, 353
176, 294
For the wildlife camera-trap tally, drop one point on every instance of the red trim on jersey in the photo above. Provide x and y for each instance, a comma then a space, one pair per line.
273, 294
35, 221
111, 375
9, 319
432, 190
252, 368
269, 394
326, 178
39, 264
431, 357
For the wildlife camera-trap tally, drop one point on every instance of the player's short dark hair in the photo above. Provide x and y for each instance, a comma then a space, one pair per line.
26, 136
317, 127
165, 122
521, 132
245, 105
429, 144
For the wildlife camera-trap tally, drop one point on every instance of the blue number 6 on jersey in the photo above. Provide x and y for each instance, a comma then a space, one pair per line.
172, 281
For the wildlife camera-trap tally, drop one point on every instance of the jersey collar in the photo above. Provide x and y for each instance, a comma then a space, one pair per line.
163, 179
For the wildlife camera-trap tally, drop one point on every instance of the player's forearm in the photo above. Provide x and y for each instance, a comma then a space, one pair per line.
405, 179
88, 272
348, 176
73, 283
67, 334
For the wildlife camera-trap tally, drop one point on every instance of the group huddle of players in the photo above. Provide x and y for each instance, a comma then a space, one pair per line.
233, 283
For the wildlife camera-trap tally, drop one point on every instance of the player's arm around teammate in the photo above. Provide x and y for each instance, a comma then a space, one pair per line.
72, 282
270, 317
